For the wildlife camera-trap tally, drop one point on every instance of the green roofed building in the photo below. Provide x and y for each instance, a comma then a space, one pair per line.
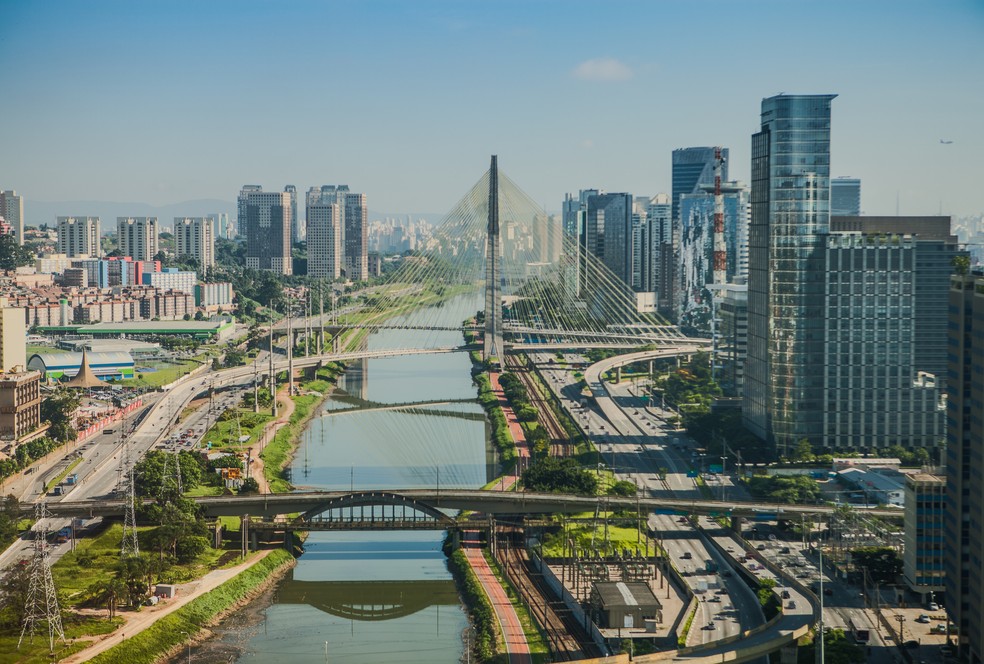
204, 330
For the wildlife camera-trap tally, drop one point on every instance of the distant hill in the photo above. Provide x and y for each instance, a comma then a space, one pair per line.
47, 212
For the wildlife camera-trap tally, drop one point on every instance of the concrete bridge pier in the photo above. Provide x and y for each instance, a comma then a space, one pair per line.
735, 524
254, 541
217, 534
618, 375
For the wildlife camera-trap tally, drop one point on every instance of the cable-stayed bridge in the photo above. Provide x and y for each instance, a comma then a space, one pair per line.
528, 279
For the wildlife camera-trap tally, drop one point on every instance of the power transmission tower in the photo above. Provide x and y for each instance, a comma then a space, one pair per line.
42, 600
169, 477
129, 546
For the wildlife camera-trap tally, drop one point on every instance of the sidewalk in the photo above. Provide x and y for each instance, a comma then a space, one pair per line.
269, 431
517, 649
137, 622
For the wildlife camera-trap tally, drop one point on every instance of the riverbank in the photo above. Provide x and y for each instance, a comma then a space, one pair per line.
155, 635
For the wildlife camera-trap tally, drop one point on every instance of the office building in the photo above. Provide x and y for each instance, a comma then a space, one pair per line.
608, 232
13, 338
573, 214
194, 237
693, 167
732, 337
354, 236
12, 210
223, 227
79, 236
878, 385
137, 237
241, 207
324, 234
922, 558
695, 251
20, 403
964, 514
845, 197
782, 401
296, 230
267, 229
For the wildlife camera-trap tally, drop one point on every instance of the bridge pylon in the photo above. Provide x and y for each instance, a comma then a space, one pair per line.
493, 345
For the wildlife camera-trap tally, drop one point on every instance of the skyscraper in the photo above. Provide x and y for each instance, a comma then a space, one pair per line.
79, 236
693, 167
295, 224
137, 237
787, 237
845, 197
572, 222
267, 217
12, 210
964, 514
356, 242
195, 237
324, 234
241, 207
608, 232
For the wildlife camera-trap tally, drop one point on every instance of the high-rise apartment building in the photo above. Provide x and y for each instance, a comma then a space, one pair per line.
925, 545
267, 217
137, 237
845, 197
296, 231
964, 514
13, 338
12, 210
324, 234
782, 401
79, 236
195, 237
241, 207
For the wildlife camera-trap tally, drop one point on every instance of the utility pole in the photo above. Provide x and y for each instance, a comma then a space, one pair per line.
273, 376
819, 649
290, 347
321, 316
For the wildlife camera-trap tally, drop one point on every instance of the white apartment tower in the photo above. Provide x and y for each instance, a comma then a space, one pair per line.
137, 237
13, 338
267, 217
79, 236
324, 234
12, 209
195, 237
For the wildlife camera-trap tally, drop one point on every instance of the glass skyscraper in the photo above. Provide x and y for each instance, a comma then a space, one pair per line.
693, 167
790, 201
845, 197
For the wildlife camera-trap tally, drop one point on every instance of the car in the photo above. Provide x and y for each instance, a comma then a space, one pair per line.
722, 591
761, 547
714, 598
791, 604
933, 606
923, 618
711, 626
939, 628
802, 575
687, 555
785, 594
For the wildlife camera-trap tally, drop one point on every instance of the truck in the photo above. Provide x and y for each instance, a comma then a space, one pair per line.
72, 479
710, 566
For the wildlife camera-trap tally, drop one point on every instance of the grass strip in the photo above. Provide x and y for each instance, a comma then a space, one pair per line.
171, 631
478, 605
62, 475
682, 639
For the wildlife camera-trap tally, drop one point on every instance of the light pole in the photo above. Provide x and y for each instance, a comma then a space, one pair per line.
189, 645
901, 620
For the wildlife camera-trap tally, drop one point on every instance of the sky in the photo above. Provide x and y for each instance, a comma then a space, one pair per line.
169, 101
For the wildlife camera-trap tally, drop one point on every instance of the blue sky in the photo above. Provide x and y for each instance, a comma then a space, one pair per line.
162, 102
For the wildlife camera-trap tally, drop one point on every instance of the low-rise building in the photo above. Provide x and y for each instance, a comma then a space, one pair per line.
882, 486
213, 296
56, 366
20, 403
625, 604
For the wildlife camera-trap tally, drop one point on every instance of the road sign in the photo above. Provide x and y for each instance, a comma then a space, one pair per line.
692, 473
715, 468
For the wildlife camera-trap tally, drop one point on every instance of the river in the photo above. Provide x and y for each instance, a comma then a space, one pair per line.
375, 597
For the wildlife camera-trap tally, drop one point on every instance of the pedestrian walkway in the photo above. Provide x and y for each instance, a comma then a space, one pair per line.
518, 436
517, 649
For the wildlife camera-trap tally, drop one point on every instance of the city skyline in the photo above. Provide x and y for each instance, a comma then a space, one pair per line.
424, 104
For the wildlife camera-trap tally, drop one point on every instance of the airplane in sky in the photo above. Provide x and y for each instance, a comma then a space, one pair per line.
945, 142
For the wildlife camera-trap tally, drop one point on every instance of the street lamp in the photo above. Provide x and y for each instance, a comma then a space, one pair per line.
901, 620
189, 645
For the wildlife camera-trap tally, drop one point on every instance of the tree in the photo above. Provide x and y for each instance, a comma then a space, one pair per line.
961, 264
150, 478
59, 409
882, 562
560, 476
13, 592
622, 488
837, 649
12, 254
802, 451
109, 592
249, 485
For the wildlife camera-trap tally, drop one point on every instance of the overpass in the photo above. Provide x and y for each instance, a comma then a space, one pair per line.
434, 501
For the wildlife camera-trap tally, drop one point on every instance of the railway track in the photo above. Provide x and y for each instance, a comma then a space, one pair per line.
564, 635
559, 441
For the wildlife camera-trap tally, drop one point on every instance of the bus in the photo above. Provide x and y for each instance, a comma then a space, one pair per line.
859, 632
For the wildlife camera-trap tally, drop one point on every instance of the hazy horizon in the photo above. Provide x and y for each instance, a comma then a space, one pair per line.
172, 102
